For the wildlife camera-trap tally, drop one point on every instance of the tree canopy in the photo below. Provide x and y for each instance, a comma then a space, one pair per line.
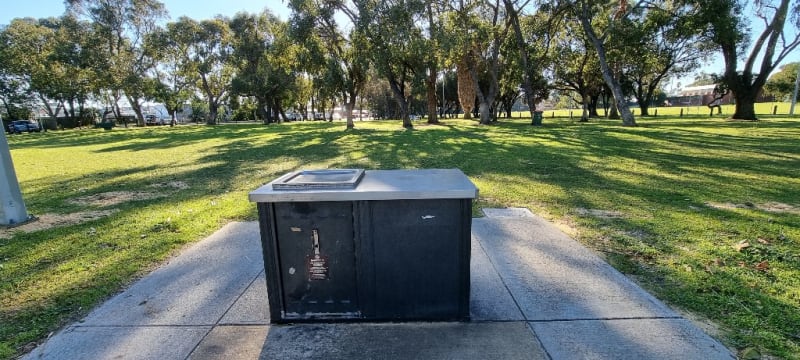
336, 54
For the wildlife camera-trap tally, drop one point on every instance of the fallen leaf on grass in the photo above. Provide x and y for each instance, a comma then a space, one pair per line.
750, 354
763, 241
741, 245
762, 266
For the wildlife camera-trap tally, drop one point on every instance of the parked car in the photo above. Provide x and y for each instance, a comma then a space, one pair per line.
154, 120
293, 116
20, 126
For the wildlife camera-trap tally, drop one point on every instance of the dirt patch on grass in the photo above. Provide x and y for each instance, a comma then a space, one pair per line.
47, 221
774, 207
638, 234
114, 197
779, 207
708, 326
180, 185
605, 214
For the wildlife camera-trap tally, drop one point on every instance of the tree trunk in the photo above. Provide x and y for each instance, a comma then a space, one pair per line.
745, 104
612, 111
584, 108
466, 85
527, 85
608, 76
53, 113
213, 108
432, 70
593, 101
261, 109
486, 113
398, 91
645, 107
279, 113
432, 100
137, 109
348, 108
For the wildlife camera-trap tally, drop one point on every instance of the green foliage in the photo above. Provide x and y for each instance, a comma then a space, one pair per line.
726, 22
781, 84
54, 58
264, 60
205, 49
122, 64
244, 111
660, 44
577, 69
704, 79
199, 110
396, 46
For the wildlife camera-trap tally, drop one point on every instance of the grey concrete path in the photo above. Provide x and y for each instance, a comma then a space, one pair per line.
536, 294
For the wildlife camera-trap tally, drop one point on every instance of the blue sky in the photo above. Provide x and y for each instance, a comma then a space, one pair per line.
197, 9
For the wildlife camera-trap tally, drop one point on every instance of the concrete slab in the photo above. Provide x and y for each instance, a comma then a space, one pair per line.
628, 339
252, 307
232, 342
462, 341
100, 343
196, 288
489, 298
553, 277
210, 303
507, 213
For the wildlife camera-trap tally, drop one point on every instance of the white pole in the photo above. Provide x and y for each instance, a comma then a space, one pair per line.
13, 209
794, 95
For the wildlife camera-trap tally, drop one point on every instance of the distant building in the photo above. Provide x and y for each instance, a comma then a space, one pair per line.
704, 94
697, 96
701, 90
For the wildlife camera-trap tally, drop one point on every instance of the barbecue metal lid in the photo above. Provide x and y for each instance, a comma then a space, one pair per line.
319, 179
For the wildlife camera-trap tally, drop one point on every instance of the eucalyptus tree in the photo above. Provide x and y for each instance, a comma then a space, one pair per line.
54, 59
726, 25
433, 11
509, 90
577, 70
599, 21
16, 94
25, 46
345, 59
448, 87
206, 59
71, 63
263, 56
396, 45
461, 34
532, 33
663, 44
301, 95
312, 60
122, 26
782, 83
477, 31
175, 85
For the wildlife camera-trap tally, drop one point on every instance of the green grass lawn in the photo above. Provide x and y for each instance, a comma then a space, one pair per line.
704, 213
693, 112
